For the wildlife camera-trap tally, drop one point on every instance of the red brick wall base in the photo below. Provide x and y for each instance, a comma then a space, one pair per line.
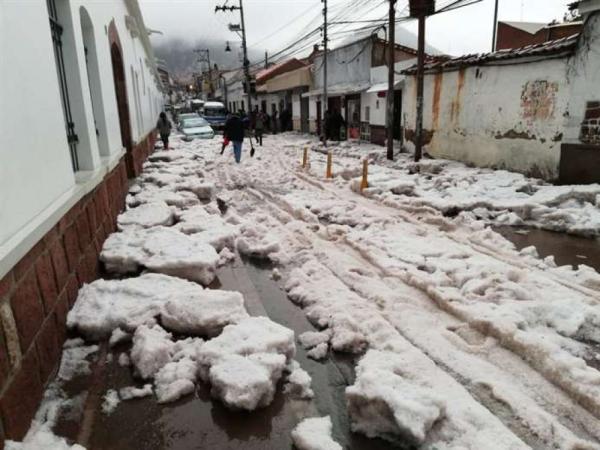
139, 154
36, 295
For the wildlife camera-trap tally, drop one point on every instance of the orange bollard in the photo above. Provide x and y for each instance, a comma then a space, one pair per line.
329, 173
364, 182
305, 158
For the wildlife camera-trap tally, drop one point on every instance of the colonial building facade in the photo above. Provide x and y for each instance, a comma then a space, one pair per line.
534, 109
80, 97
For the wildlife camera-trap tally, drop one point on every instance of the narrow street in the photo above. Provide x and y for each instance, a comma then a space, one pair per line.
382, 277
300, 225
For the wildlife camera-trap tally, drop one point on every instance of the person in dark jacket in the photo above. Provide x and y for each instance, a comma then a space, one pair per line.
234, 130
275, 121
337, 122
163, 126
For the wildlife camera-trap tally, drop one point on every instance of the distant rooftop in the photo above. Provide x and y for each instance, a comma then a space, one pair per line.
564, 45
528, 27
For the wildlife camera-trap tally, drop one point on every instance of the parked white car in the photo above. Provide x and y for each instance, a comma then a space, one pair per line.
196, 128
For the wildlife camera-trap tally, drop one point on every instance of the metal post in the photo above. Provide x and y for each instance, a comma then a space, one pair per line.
420, 67
324, 108
364, 183
495, 32
224, 90
391, 78
266, 60
246, 62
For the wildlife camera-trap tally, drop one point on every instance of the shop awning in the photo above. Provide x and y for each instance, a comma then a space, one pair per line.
381, 87
339, 89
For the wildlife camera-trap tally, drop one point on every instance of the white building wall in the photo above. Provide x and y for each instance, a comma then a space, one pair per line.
345, 65
37, 183
36, 166
296, 106
376, 107
507, 116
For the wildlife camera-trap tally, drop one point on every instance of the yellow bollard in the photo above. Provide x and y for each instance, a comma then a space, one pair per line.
329, 173
365, 183
305, 158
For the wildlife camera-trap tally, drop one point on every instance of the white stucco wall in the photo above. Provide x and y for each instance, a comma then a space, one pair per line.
37, 183
349, 64
35, 166
508, 116
296, 106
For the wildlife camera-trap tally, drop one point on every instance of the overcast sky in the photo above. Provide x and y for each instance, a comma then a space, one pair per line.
271, 24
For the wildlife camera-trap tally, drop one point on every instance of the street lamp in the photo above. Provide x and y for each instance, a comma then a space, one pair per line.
240, 29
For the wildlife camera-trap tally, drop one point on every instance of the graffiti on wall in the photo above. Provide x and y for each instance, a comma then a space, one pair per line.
538, 99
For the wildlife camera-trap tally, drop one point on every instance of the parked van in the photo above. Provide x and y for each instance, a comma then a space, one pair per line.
215, 113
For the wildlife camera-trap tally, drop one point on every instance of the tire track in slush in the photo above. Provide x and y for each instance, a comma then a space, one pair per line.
483, 396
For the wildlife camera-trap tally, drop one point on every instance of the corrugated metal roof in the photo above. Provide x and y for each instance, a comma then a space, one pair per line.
557, 46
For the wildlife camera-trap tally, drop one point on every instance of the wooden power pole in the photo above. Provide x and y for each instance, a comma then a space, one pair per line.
420, 9
324, 107
241, 28
391, 80
495, 32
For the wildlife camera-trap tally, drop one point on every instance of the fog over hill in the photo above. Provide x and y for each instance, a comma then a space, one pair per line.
179, 57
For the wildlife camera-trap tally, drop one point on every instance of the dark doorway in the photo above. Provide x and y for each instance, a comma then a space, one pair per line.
334, 103
304, 127
122, 104
397, 115
319, 118
263, 106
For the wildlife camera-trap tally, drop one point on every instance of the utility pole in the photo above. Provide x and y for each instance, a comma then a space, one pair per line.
495, 32
391, 80
324, 107
237, 29
266, 60
420, 9
204, 56
420, 75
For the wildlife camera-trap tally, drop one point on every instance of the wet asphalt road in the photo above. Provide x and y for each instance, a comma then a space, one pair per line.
199, 422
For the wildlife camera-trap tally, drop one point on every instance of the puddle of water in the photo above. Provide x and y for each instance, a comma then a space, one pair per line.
565, 248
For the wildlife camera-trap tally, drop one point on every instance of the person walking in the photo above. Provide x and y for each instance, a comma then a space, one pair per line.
275, 120
226, 140
259, 127
163, 126
234, 130
337, 122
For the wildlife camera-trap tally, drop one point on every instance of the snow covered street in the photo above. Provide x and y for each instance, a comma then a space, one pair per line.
408, 321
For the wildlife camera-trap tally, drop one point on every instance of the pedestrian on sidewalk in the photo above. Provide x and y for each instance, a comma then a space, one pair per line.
163, 126
234, 130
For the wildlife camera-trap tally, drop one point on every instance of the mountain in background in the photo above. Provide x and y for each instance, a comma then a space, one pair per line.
181, 61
